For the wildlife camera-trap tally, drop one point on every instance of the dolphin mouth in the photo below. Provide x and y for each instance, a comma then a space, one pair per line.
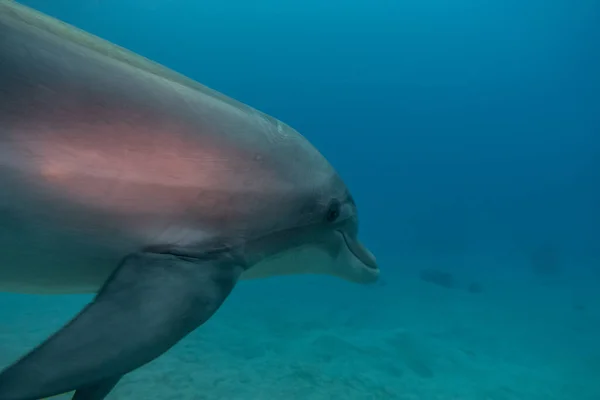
360, 252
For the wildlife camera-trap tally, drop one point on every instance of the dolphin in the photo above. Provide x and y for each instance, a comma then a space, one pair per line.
125, 179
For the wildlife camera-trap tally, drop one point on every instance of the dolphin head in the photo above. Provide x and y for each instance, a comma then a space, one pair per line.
316, 225
347, 257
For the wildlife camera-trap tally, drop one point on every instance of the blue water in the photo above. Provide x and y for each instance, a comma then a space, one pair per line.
469, 133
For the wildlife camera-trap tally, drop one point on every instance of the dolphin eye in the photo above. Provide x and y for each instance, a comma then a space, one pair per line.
333, 212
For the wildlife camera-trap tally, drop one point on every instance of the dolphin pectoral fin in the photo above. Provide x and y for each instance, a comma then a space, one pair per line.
97, 390
149, 303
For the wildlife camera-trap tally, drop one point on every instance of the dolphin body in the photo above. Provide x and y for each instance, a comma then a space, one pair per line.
123, 178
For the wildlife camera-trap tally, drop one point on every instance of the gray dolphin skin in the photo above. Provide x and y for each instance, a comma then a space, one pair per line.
122, 178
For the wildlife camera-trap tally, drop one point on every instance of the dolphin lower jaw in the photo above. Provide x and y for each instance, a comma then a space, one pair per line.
360, 251
356, 263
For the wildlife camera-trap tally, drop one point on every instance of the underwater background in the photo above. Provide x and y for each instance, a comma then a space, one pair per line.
469, 134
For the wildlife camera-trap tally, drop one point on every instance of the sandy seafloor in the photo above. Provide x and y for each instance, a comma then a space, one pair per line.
320, 338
